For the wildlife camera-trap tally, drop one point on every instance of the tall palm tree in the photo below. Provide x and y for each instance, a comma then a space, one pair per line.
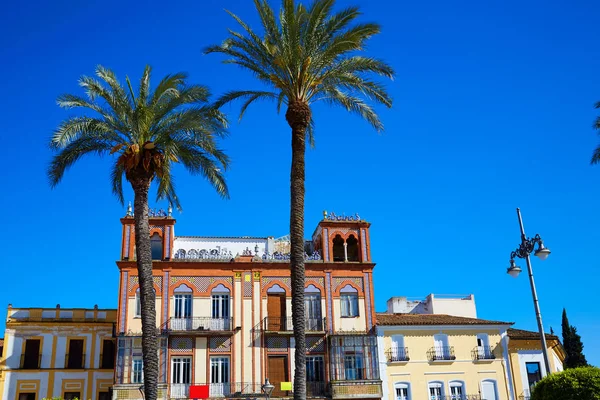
309, 54
147, 132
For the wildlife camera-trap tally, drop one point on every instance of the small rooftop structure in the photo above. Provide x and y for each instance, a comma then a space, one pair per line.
455, 305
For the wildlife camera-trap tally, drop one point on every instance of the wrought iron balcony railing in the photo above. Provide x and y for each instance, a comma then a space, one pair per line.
198, 324
483, 353
240, 390
397, 354
457, 397
31, 362
74, 362
441, 353
285, 324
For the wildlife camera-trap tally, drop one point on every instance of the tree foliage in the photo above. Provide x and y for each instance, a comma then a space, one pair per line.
573, 384
148, 131
572, 344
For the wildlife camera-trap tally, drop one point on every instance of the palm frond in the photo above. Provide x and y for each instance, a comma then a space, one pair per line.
73, 152
596, 156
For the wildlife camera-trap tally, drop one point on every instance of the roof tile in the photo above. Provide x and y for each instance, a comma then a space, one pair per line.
432, 319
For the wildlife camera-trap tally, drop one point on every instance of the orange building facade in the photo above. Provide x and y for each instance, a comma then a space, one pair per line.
224, 312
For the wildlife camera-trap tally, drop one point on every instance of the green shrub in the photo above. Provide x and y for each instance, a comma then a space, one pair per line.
572, 384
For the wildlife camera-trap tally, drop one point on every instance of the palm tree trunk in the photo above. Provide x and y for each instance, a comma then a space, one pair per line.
298, 117
147, 295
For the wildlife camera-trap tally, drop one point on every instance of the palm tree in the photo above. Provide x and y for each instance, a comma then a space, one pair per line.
308, 55
149, 131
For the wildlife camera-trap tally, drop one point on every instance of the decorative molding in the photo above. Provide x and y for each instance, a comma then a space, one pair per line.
181, 345
168, 242
220, 344
203, 254
337, 281
368, 301
123, 302
247, 282
201, 283
266, 280
135, 280
363, 236
330, 302
127, 238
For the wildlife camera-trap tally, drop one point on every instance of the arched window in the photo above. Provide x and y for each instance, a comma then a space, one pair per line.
402, 391
349, 301
312, 308
220, 308
183, 307
436, 390
338, 248
352, 248
156, 246
457, 390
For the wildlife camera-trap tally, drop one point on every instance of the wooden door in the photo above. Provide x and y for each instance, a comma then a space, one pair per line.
277, 373
276, 318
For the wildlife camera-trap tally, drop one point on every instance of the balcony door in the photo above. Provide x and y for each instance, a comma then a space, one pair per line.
278, 372
182, 319
220, 314
312, 307
483, 346
276, 316
398, 353
219, 377
181, 377
442, 352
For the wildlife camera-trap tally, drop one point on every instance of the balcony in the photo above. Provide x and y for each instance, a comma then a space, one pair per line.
441, 353
458, 397
75, 362
483, 353
356, 389
31, 362
199, 325
218, 390
397, 354
285, 325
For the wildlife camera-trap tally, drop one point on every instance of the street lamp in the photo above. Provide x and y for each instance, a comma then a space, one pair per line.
267, 388
523, 251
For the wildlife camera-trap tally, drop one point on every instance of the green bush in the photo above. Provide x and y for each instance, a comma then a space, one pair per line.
572, 384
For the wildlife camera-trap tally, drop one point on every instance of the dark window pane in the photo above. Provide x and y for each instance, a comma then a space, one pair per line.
72, 395
108, 354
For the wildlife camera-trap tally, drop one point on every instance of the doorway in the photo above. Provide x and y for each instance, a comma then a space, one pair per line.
277, 373
276, 318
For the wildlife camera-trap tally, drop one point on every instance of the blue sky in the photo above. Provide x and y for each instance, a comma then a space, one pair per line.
493, 110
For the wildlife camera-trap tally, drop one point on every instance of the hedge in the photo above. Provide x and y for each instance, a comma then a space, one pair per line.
573, 384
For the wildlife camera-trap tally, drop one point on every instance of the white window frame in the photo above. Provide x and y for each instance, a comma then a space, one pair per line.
137, 374
220, 383
179, 363
435, 385
405, 386
349, 302
463, 390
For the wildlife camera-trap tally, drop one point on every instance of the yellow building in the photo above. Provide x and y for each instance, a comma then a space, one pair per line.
437, 356
425, 353
526, 359
52, 352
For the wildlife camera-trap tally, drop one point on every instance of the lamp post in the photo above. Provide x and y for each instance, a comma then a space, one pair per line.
267, 388
523, 251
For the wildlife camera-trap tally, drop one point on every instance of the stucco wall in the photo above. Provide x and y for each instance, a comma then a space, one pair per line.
419, 371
